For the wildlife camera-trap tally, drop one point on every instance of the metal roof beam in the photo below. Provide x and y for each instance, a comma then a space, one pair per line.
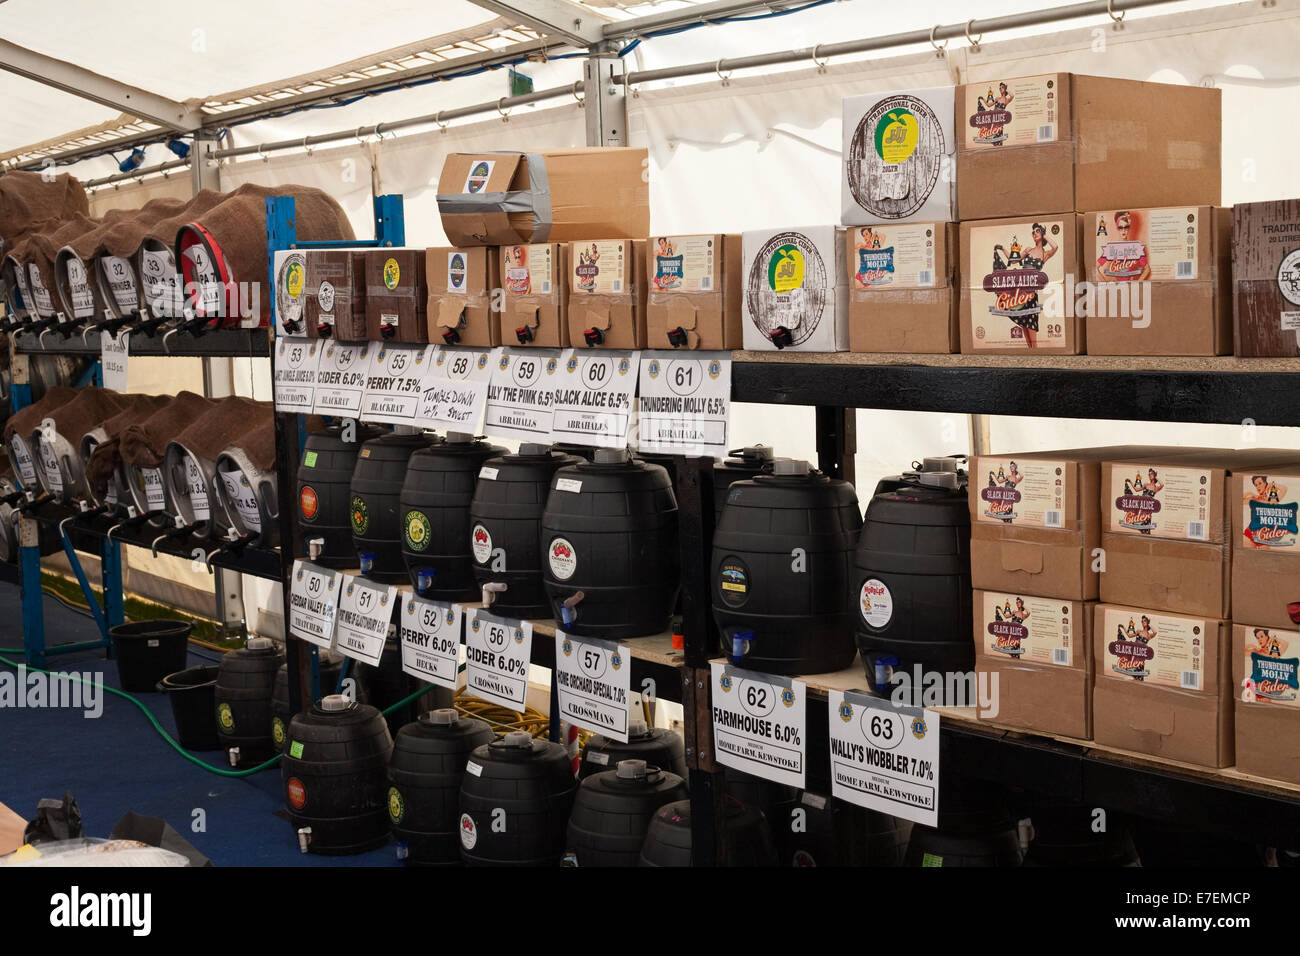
571, 22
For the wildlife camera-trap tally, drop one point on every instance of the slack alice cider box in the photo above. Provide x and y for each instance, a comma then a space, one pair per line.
536, 308
1163, 684
461, 284
1264, 503
1266, 692
695, 292
607, 294
902, 287
1041, 652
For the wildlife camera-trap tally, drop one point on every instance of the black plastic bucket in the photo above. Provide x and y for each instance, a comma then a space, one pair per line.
193, 696
147, 651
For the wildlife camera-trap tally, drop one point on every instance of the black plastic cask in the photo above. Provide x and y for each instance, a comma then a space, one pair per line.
281, 714
324, 492
657, 746
373, 503
612, 812
668, 839
244, 694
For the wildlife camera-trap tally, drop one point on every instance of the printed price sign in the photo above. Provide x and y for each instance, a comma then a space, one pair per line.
684, 403
48, 459
240, 491
341, 378
431, 640
113, 351
454, 390
884, 757
393, 383
295, 374
520, 393
593, 397
313, 601
497, 652
759, 723
593, 679
364, 618
155, 495
197, 484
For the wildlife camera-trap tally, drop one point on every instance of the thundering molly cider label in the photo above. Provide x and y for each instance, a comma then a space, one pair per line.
1272, 667
1159, 501
1016, 276
894, 257
1023, 628
1268, 511
1151, 648
1022, 492
683, 263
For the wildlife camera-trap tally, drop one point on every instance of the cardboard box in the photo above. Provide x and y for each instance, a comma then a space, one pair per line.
694, 297
1266, 277
290, 268
607, 294
554, 195
396, 295
1163, 685
1266, 696
1185, 576
1014, 297
1072, 142
1266, 547
899, 154
461, 283
902, 287
1161, 281
796, 290
537, 294
335, 304
1041, 652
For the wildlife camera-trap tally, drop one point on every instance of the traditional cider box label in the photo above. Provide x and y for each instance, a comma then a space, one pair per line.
529, 269
1023, 628
684, 263
1012, 112
1160, 501
1141, 244
1014, 271
894, 257
1152, 648
1268, 512
1025, 493
1272, 667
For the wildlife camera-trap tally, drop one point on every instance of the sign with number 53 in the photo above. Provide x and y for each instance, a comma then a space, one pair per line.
759, 723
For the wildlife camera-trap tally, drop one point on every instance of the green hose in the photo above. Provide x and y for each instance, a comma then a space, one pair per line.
167, 737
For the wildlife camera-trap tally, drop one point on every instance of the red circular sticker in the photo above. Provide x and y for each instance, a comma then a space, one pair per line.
297, 793
309, 502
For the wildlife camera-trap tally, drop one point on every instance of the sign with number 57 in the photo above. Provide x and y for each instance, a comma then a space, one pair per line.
593, 679
759, 723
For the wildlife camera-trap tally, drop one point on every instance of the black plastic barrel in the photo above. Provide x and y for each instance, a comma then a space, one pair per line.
335, 776
739, 465
434, 504
515, 799
780, 570
911, 589
612, 812
192, 693
1075, 835
147, 651
657, 746
810, 829
281, 714
668, 838
424, 778
324, 492
384, 685
975, 829
609, 540
506, 526
373, 509
243, 695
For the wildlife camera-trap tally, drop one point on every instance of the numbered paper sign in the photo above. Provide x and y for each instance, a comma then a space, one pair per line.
155, 495
520, 393
341, 373
394, 383
113, 351
296, 361
758, 723
431, 640
497, 652
593, 678
313, 601
684, 403
885, 757
365, 618
593, 397
455, 389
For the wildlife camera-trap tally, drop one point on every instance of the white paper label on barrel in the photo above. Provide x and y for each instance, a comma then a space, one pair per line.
159, 276
155, 496
50, 468
198, 489
121, 280
759, 723
488, 473
241, 492
44, 304
83, 303
24, 458
110, 497
568, 484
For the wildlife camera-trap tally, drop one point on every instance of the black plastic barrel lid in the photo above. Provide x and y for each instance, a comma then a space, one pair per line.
611, 456
534, 450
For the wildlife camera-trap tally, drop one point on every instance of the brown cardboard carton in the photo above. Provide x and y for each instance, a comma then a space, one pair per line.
694, 292
1266, 547
903, 288
555, 195
1163, 685
1266, 701
461, 286
1041, 652
335, 296
1014, 293
396, 295
607, 294
1266, 277
536, 294
1073, 142
1161, 281
1185, 576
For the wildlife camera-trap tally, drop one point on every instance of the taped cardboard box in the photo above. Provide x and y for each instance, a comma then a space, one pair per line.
607, 294
1163, 685
1161, 281
1266, 277
536, 294
335, 301
902, 288
796, 290
461, 285
397, 295
694, 297
555, 195
1267, 701
1014, 295
1041, 652
1073, 142
1266, 546
899, 153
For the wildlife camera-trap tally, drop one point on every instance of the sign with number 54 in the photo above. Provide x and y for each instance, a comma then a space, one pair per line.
759, 723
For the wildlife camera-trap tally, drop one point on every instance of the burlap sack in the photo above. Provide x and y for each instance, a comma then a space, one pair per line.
41, 248
90, 408
143, 443
24, 421
28, 199
103, 461
221, 426
259, 443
